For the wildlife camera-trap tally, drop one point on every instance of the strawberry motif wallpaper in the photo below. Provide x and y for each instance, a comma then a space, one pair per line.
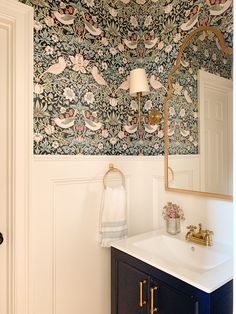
83, 53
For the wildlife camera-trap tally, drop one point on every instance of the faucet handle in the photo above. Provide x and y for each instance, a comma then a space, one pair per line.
191, 227
209, 232
208, 237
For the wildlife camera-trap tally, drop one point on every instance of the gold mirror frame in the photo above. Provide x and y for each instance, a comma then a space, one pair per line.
225, 49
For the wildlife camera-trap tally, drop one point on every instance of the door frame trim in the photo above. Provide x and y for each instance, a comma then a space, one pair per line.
18, 19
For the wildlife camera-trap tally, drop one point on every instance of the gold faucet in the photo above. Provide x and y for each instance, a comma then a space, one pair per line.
203, 237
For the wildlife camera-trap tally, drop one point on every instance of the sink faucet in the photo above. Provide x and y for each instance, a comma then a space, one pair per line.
203, 237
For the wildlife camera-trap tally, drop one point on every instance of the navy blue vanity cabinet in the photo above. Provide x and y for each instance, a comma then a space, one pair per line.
132, 288
139, 288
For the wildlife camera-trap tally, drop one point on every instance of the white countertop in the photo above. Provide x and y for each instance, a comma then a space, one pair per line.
206, 280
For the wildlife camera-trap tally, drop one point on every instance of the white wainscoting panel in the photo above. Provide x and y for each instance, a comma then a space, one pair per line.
69, 271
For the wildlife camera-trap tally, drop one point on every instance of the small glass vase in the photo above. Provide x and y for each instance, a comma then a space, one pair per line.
173, 225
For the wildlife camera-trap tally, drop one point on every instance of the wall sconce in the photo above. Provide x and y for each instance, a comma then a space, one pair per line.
138, 86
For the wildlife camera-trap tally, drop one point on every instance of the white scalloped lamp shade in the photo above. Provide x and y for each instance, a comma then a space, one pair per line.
138, 82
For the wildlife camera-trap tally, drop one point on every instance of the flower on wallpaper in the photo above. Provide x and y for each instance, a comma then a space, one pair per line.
49, 129
121, 135
55, 38
113, 140
121, 47
148, 105
38, 89
113, 12
206, 53
49, 50
168, 48
49, 21
38, 26
100, 52
124, 60
89, 97
69, 94
190, 138
100, 146
190, 70
177, 88
105, 133
104, 41
160, 45
182, 113
79, 63
113, 51
55, 144
177, 38
37, 137
160, 69
104, 66
160, 134
62, 110
113, 101
134, 21
225, 61
90, 3
195, 115
214, 56
121, 70
134, 105
62, 5
168, 8
148, 21
172, 111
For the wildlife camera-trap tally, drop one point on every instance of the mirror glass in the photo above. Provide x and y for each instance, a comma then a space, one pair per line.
199, 109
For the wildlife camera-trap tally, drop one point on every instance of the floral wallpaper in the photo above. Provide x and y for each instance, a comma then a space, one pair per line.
84, 51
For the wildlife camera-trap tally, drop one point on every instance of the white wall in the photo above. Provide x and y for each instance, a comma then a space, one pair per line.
68, 268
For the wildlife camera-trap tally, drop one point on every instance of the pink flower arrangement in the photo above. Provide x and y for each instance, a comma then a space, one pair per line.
171, 211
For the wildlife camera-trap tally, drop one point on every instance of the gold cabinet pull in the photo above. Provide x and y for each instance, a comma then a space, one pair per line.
141, 301
152, 308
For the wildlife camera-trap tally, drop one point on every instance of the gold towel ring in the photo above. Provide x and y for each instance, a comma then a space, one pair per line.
113, 169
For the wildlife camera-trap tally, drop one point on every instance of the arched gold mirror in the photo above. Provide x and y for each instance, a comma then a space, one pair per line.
198, 117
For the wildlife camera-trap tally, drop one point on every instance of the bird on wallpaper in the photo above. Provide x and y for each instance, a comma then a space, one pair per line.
66, 123
155, 83
56, 68
97, 76
220, 7
90, 124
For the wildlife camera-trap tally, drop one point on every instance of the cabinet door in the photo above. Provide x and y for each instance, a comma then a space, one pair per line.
132, 290
169, 300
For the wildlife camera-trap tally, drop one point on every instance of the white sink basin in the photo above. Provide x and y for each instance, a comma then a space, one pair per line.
206, 268
181, 252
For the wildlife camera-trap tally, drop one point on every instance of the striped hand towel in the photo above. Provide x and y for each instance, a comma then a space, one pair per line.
113, 221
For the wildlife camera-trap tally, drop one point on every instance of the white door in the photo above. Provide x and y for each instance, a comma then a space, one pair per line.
215, 133
15, 101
